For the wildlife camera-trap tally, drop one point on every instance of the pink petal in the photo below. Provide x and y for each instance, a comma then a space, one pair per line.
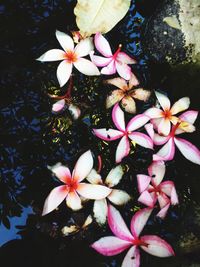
58, 106
63, 173
143, 182
166, 152
114, 98
100, 61
110, 245
149, 128
163, 200
146, 199
188, 150
93, 191
118, 117
123, 149
180, 105
141, 94
118, 82
157, 246
160, 140
132, 258
139, 220
174, 196
52, 55
137, 122
166, 187
124, 58
84, 47
164, 127
163, 212
100, 211
133, 81
128, 103
102, 45
114, 176
163, 100
64, 71
189, 116
117, 224
65, 41
74, 111
56, 196
157, 171
154, 113
86, 67
118, 197
108, 135
109, 69
83, 166
156, 122
123, 70
141, 139
73, 201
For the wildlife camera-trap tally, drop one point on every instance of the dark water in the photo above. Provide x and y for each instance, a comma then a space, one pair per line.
33, 138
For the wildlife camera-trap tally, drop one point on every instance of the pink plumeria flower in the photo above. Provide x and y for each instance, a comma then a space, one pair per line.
111, 63
125, 133
187, 149
70, 57
124, 239
60, 106
152, 189
165, 116
126, 93
116, 196
73, 186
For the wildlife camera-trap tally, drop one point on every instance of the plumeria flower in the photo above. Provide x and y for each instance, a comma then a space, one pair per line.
187, 149
124, 239
152, 189
126, 93
111, 63
163, 118
60, 106
117, 197
73, 186
70, 57
125, 133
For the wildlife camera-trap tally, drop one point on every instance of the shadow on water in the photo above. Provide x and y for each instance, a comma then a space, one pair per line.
33, 138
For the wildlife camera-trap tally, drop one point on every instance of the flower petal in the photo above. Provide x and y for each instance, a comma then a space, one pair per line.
86, 67
94, 178
55, 198
114, 176
189, 116
157, 171
100, 61
180, 105
74, 111
64, 71
188, 150
166, 152
84, 47
164, 127
73, 201
52, 55
83, 166
123, 149
100, 210
163, 200
108, 135
110, 245
117, 224
157, 246
124, 58
118, 197
137, 122
118, 82
133, 81
141, 94
93, 191
114, 98
146, 199
128, 103
123, 70
58, 106
150, 130
154, 113
65, 41
160, 140
163, 212
139, 220
63, 173
102, 45
132, 258
118, 117
141, 139
143, 182
163, 100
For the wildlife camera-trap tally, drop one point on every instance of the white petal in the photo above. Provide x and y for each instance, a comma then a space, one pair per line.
93, 191
164, 127
119, 197
84, 47
100, 210
73, 201
163, 100
102, 45
123, 149
52, 55
180, 105
86, 67
94, 178
118, 117
132, 258
114, 97
114, 176
64, 71
65, 41
123, 69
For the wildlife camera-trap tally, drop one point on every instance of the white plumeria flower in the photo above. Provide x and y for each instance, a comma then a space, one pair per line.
116, 196
70, 57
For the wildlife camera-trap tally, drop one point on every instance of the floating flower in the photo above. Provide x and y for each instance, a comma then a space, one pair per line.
116, 196
73, 186
162, 118
123, 239
125, 133
126, 93
112, 63
60, 105
152, 189
70, 57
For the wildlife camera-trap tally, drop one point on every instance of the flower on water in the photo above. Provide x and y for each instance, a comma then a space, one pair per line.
70, 57
125, 133
187, 149
124, 239
152, 189
60, 105
73, 187
116, 196
111, 63
162, 118
126, 93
